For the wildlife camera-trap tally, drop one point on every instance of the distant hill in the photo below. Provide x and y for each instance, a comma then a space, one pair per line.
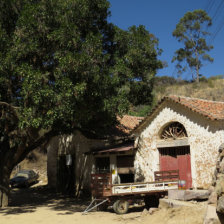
209, 89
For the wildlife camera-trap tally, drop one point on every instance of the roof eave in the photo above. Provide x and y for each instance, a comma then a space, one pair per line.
139, 128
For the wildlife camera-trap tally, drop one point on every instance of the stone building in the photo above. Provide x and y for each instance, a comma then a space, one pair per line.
90, 154
180, 133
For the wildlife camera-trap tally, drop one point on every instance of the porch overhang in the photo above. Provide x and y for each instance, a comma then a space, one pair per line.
114, 150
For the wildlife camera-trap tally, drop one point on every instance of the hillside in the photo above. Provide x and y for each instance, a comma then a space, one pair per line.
210, 89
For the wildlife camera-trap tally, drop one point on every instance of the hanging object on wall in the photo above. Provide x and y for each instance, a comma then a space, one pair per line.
68, 160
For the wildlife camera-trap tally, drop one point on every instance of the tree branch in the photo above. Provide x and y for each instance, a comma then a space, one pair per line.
8, 105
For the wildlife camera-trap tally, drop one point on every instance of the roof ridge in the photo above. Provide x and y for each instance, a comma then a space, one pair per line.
194, 98
213, 110
127, 115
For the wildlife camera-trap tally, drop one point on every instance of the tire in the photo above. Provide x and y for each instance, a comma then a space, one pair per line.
121, 206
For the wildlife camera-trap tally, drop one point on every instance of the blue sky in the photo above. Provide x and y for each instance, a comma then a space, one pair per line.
160, 18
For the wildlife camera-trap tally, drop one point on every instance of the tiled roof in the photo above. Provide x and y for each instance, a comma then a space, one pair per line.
127, 123
212, 110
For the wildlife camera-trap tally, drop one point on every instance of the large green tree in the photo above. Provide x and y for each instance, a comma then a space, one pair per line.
63, 66
192, 32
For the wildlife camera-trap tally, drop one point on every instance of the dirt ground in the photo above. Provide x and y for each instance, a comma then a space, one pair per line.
39, 204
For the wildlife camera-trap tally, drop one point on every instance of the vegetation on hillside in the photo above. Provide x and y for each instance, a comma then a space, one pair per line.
208, 88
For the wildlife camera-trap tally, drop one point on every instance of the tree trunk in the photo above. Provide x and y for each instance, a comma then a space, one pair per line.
10, 157
4, 184
197, 68
6, 166
4, 197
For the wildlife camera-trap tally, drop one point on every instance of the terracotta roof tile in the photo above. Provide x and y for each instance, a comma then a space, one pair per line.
127, 123
214, 110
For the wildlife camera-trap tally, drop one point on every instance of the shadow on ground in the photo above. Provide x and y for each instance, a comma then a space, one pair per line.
26, 200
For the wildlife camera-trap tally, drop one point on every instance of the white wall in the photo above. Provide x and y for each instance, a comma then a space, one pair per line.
75, 144
204, 137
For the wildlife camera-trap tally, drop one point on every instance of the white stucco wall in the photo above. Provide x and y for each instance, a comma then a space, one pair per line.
204, 137
75, 144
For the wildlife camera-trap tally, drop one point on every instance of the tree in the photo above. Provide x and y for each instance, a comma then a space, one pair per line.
63, 67
192, 32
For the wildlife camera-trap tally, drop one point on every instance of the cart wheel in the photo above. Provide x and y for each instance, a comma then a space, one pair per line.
121, 206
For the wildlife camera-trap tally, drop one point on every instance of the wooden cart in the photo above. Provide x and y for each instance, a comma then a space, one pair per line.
120, 195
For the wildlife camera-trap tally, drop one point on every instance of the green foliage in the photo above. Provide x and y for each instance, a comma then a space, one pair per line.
135, 63
192, 32
140, 111
63, 65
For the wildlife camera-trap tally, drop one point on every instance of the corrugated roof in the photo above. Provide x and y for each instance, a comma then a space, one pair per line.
122, 148
113, 149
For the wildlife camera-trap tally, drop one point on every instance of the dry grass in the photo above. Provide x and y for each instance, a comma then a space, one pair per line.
210, 90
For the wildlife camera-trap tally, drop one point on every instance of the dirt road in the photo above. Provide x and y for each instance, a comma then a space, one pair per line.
38, 205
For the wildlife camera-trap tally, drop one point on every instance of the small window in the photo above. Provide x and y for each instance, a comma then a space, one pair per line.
102, 165
125, 168
174, 131
125, 161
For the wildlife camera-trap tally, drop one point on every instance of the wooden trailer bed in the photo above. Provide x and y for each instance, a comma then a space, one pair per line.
119, 195
101, 184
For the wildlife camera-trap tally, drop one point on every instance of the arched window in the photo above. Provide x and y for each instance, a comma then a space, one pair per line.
173, 131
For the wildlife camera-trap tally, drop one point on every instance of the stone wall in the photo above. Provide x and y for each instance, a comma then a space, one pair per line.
204, 138
218, 181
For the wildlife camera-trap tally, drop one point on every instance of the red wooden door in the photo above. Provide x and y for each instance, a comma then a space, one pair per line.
177, 158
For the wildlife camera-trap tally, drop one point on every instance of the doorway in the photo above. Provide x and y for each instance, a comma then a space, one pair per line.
177, 158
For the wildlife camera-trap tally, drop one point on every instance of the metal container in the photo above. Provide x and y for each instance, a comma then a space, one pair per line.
182, 184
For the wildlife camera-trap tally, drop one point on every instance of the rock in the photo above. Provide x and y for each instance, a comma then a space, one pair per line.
169, 203
220, 205
220, 176
176, 194
152, 210
196, 194
187, 195
212, 198
221, 147
164, 203
221, 155
145, 212
221, 217
211, 216
211, 189
219, 188
221, 166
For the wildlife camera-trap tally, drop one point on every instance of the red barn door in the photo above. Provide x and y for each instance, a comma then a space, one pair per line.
177, 158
